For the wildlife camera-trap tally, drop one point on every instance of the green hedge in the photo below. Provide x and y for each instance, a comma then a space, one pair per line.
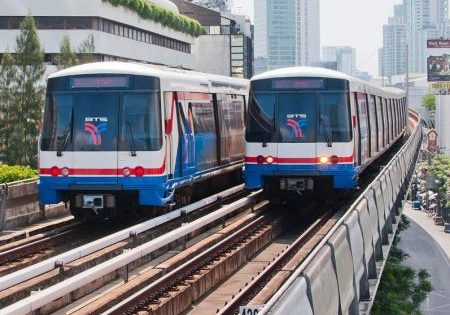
150, 11
14, 173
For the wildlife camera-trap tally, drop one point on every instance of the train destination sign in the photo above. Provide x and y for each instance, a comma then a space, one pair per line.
99, 82
297, 84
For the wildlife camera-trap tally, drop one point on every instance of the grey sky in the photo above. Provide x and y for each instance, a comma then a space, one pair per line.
356, 23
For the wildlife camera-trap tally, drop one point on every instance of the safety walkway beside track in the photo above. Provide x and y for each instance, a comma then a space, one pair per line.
428, 247
435, 231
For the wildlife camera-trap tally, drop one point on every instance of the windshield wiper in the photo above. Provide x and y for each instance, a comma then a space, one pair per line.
269, 134
130, 131
325, 133
66, 136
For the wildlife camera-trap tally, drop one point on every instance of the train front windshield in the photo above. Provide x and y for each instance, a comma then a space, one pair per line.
299, 110
114, 117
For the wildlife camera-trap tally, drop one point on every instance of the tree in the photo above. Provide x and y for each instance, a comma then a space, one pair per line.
26, 96
402, 290
429, 102
7, 74
86, 50
66, 58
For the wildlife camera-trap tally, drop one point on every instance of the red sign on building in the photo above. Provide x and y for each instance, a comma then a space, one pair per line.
438, 43
432, 137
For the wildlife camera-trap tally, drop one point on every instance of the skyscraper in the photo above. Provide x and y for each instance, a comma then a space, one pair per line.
426, 19
287, 33
392, 56
414, 22
343, 56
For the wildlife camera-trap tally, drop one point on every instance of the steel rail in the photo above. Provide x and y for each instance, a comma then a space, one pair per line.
274, 266
41, 298
38, 242
157, 288
87, 249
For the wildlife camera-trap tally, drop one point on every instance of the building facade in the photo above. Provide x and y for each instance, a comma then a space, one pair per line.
343, 56
287, 33
227, 47
392, 57
426, 19
413, 23
118, 33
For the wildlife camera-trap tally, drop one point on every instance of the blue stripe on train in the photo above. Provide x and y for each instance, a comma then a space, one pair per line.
344, 175
151, 189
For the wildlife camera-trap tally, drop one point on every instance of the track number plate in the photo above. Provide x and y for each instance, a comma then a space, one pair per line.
250, 309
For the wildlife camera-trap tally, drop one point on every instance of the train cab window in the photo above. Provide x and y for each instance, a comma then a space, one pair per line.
297, 117
141, 128
95, 127
334, 118
261, 117
57, 123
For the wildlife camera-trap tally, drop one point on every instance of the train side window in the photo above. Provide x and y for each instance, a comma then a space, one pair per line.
386, 122
232, 119
373, 126
391, 119
203, 117
363, 126
389, 109
397, 116
380, 133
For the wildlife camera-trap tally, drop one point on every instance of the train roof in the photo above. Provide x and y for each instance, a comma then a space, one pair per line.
170, 74
356, 84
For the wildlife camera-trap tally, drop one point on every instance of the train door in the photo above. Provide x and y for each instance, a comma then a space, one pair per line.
95, 132
186, 145
296, 126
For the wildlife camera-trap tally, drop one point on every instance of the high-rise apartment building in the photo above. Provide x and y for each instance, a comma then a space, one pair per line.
426, 19
343, 56
414, 22
392, 57
287, 33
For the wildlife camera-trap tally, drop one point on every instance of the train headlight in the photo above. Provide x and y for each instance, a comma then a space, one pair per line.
55, 171
260, 159
269, 160
126, 172
139, 171
65, 172
324, 160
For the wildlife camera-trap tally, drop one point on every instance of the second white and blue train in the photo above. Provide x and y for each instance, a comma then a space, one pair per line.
310, 129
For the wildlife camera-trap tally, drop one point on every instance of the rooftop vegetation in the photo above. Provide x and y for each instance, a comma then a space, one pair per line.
151, 11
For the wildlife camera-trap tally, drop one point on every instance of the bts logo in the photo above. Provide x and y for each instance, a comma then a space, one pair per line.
95, 126
296, 122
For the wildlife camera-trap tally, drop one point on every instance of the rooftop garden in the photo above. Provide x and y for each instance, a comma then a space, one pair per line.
151, 11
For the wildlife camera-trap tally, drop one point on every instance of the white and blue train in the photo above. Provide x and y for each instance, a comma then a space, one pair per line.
116, 134
313, 128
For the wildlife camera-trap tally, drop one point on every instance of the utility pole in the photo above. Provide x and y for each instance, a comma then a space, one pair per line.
407, 75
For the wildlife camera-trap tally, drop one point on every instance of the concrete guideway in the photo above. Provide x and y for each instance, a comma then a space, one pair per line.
362, 239
429, 248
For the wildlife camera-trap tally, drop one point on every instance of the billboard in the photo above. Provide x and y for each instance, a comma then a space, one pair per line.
438, 61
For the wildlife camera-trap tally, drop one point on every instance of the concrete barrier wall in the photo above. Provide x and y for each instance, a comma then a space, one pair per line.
19, 205
342, 274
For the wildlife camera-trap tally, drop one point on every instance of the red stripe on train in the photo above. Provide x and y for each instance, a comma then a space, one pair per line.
104, 171
316, 160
